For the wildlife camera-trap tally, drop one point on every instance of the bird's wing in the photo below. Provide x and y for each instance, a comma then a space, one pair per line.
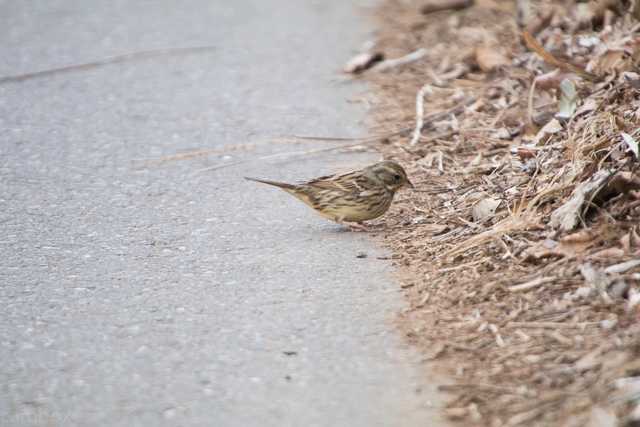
349, 183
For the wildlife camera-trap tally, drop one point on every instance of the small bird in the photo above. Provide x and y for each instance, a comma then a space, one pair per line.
353, 197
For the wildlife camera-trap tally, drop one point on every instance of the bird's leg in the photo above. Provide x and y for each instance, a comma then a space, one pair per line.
357, 226
352, 226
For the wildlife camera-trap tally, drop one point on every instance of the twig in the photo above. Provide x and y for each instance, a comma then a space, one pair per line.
549, 325
440, 5
622, 267
389, 64
524, 417
536, 47
531, 284
196, 153
461, 266
557, 336
363, 139
530, 102
106, 61
424, 90
329, 138
483, 387
461, 347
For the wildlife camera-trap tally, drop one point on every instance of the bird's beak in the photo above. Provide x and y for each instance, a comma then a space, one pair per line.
410, 184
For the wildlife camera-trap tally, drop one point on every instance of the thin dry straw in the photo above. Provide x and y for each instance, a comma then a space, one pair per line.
277, 155
359, 142
132, 56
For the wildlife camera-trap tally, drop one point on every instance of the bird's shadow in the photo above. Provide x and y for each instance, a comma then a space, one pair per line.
340, 229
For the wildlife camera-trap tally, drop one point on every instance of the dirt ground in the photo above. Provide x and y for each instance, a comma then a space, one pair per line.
520, 248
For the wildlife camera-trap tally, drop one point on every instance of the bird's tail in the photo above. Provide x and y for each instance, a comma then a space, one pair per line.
282, 185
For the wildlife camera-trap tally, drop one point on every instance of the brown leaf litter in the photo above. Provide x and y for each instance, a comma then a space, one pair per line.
521, 244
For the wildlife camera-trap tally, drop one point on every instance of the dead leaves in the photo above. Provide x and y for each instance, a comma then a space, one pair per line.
535, 180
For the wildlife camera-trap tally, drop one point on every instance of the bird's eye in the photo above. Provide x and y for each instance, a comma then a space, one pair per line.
397, 177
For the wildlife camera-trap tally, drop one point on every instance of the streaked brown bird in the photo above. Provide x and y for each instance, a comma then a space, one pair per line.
353, 197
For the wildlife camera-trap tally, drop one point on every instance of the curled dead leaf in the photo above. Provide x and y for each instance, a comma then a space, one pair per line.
501, 133
540, 250
588, 106
485, 209
551, 80
631, 78
551, 128
595, 190
576, 244
595, 277
579, 237
607, 254
621, 183
525, 153
567, 216
630, 242
570, 246
612, 60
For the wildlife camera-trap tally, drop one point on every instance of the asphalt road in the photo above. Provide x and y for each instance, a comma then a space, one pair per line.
136, 293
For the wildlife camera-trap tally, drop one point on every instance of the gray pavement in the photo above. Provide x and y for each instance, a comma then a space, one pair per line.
138, 294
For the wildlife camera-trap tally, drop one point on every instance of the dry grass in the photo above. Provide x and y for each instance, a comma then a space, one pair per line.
537, 322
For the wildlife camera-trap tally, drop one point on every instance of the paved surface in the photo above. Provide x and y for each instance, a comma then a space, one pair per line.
139, 294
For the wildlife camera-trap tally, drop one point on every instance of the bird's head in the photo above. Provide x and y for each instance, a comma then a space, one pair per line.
391, 174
